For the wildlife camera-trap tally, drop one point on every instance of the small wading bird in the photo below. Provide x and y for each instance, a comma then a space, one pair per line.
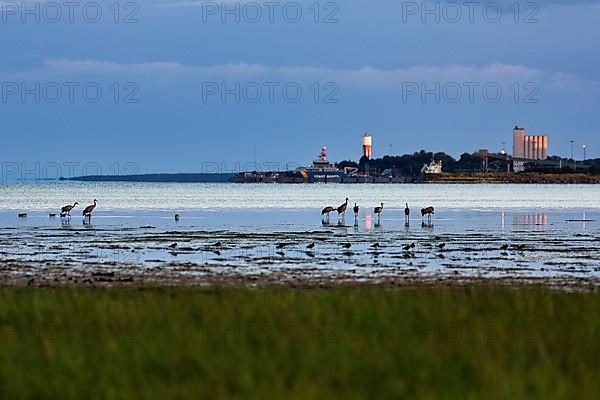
427, 211
177, 217
356, 209
378, 210
51, 215
88, 210
66, 210
23, 215
326, 212
341, 210
407, 215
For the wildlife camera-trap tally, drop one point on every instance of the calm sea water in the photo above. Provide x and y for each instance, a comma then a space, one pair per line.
552, 231
174, 196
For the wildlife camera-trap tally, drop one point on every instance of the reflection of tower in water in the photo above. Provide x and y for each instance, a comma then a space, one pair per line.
368, 222
539, 219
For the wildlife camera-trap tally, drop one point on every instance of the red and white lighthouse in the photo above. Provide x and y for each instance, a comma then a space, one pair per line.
367, 145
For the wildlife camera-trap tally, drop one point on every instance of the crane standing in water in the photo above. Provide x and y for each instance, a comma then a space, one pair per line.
378, 210
356, 209
66, 210
88, 210
429, 211
326, 212
342, 210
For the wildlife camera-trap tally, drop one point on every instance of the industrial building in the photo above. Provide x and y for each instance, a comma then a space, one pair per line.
529, 147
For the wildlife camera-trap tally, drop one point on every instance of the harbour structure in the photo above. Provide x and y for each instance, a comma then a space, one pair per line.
529, 147
322, 170
433, 168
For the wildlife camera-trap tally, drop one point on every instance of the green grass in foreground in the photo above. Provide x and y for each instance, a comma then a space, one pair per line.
350, 342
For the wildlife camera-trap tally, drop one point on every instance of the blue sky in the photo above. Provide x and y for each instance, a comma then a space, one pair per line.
186, 87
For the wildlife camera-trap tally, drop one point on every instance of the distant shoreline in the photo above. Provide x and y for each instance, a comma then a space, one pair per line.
520, 178
155, 178
447, 178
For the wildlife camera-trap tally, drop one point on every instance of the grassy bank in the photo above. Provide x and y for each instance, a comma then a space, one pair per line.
350, 342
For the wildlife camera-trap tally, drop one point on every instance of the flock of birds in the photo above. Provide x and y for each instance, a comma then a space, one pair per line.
341, 210
65, 212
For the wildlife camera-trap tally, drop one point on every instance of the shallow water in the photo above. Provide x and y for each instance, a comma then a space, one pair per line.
266, 236
174, 196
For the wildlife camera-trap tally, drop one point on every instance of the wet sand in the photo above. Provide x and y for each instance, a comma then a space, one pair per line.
293, 248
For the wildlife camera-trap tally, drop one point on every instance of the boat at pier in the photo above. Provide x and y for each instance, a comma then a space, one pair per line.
322, 170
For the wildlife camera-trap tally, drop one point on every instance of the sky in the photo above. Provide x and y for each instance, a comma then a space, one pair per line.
190, 86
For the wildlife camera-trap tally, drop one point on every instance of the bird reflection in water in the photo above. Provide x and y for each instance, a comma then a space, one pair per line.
427, 225
584, 221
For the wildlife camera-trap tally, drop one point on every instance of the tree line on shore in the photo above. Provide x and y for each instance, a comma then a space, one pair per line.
411, 164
